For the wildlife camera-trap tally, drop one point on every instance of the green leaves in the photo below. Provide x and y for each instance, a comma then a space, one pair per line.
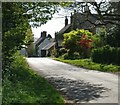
106, 55
29, 37
25, 86
16, 20
71, 39
40, 12
113, 36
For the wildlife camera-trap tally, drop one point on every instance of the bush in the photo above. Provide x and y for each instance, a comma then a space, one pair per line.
65, 56
54, 53
72, 40
107, 55
62, 51
113, 36
75, 55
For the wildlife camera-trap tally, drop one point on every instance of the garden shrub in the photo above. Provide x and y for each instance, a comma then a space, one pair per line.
54, 53
62, 51
79, 41
107, 55
65, 56
113, 36
75, 55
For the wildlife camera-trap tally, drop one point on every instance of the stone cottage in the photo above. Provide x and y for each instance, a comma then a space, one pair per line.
44, 45
84, 20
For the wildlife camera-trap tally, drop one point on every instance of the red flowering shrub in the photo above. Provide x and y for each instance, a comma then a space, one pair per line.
85, 41
79, 41
85, 46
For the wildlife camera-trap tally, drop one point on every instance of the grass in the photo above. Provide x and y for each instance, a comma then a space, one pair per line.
88, 64
25, 86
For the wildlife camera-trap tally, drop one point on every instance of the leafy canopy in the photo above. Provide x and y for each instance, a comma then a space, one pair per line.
17, 19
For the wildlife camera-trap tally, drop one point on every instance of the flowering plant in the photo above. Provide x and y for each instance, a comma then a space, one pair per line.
85, 41
85, 45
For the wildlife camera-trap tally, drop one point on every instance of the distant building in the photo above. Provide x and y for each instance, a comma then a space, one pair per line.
44, 45
47, 50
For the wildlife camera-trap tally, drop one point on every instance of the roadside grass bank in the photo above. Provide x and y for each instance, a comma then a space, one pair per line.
22, 85
88, 64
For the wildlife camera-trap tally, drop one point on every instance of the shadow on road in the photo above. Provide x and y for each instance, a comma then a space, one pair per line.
78, 91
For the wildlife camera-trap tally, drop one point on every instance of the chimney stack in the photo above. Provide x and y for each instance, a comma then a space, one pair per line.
66, 21
86, 8
44, 34
71, 18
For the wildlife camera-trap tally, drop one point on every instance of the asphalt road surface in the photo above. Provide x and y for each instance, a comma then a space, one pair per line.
77, 85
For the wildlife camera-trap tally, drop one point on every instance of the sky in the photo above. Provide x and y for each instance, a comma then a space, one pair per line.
53, 25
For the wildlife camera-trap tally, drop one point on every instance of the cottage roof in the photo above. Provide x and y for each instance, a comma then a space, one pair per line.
87, 25
64, 29
85, 21
99, 22
39, 41
48, 46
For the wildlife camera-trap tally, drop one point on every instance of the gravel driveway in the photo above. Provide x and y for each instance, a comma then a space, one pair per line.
77, 85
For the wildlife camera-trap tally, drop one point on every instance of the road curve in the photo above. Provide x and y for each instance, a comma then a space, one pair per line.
77, 84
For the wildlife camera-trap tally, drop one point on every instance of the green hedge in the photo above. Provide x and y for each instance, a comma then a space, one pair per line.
107, 55
62, 51
75, 55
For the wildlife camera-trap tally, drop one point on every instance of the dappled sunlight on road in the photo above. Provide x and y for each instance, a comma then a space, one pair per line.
77, 84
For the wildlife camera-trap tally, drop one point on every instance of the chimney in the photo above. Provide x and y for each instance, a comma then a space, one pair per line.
71, 18
44, 34
66, 21
86, 8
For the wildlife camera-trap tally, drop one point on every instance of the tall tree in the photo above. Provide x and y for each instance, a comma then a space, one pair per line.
16, 20
108, 12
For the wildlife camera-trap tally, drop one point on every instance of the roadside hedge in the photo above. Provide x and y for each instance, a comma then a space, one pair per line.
106, 55
23, 86
74, 56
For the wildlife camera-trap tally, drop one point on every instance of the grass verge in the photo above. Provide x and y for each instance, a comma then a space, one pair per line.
24, 86
88, 64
